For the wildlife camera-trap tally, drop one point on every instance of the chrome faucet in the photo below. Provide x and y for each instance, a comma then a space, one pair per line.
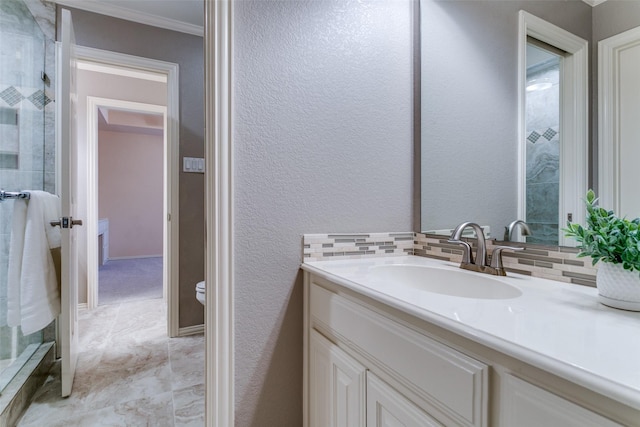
508, 231
480, 264
481, 255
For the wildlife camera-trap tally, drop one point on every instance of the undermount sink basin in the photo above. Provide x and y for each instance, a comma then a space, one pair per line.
455, 283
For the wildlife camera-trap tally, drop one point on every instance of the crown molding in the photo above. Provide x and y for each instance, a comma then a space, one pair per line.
103, 8
593, 3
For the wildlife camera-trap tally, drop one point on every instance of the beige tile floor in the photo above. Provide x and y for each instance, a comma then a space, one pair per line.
129, 373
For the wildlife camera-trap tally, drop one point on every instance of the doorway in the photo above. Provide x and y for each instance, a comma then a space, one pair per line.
124, 76
543, 141
130, 139
554, 48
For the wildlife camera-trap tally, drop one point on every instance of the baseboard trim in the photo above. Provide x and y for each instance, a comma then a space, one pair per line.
191, 330
133, 257
83, 306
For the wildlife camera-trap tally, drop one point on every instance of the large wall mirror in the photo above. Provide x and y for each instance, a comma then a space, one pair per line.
484, 157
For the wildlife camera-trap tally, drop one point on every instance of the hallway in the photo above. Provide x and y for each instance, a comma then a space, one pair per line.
126, 280
129, 373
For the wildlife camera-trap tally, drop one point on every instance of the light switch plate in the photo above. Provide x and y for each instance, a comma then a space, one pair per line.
193, 164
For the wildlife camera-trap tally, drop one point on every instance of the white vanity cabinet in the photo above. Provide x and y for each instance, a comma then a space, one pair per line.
370, 364
341, 390
348, 342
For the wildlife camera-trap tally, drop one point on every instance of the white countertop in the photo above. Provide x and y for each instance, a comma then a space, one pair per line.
558, 327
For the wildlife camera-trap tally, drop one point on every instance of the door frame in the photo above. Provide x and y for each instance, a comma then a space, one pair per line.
219, 312
171, 178
574, 117
93, 105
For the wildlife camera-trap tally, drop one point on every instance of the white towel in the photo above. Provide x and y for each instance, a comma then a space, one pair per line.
33, 291
16, 249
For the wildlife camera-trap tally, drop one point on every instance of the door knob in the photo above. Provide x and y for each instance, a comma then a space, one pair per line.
66, 222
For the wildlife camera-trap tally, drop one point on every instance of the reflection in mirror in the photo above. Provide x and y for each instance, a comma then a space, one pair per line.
556, 173
473, 150
543, 139
619, 128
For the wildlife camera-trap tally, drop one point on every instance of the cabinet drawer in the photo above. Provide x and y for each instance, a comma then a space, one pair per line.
526, 405
449, 380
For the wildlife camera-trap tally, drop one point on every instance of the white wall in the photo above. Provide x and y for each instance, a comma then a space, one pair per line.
323, 138
130, 192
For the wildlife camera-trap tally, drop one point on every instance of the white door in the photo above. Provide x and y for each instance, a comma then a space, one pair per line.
337, 386
69, 290
388, 408
619, 105
629, 131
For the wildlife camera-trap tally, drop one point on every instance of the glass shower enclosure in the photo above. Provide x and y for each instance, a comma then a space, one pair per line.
22, 152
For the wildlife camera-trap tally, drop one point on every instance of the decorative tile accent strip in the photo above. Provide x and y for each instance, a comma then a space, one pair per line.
533, 137
39, 99
547, 262
317, 247
12, 96
548, 134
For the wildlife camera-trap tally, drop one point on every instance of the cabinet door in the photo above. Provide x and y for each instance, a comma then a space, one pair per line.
388, 408
337, 386
526, 405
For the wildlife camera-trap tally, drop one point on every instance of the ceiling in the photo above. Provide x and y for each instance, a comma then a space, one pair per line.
178, 15
116, 120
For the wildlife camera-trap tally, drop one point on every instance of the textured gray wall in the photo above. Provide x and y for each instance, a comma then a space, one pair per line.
103, 32
323, 143
470, 105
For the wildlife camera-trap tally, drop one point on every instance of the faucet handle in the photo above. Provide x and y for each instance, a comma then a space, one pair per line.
496, 255
467, 255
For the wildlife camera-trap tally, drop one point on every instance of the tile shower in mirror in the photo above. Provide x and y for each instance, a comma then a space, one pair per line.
543, 136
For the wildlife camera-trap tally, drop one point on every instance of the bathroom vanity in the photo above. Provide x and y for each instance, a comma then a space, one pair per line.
413, 341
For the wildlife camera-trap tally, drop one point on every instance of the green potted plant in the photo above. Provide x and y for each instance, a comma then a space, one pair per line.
614, 242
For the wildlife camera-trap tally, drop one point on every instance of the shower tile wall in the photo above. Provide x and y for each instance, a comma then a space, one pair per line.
543, 158
27, 151
44, 13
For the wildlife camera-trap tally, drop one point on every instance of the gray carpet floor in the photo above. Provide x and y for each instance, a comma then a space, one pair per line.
129, 280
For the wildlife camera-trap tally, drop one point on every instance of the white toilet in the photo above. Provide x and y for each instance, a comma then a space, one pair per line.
200, 289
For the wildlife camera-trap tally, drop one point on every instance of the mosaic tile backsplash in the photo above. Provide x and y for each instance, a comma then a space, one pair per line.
318, 247
547, 262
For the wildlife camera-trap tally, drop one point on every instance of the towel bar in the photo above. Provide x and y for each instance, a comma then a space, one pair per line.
13, 195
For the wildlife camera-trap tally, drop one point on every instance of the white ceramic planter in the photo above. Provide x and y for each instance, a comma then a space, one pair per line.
618, 288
